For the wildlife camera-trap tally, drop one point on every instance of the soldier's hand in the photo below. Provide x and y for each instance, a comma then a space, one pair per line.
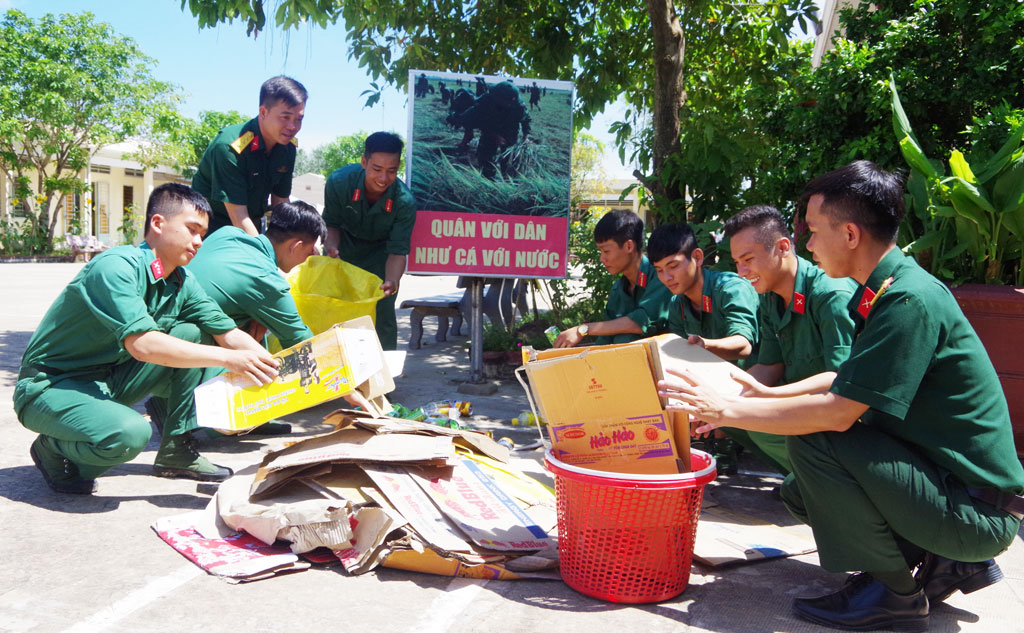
259, 366
389, 288
696, 340
568, 338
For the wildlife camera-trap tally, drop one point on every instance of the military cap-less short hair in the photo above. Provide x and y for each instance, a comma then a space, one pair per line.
383, 143
282, 88
765, 219
862, 193
620, 225
170, 199
295, 219
671, 239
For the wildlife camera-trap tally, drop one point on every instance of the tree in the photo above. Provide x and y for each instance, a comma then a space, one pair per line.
611, 49
587, 173
68, 86
344, 150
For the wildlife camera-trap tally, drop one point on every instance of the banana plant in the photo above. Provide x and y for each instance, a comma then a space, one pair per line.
964, 224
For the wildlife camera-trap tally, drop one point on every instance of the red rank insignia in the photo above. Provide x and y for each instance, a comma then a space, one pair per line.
358, 193
705, 303
387, 206
157, 267
255, 145
866, 301
641, 279
799, 303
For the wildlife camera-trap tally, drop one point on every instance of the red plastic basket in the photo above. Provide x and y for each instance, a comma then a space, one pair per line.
625, 537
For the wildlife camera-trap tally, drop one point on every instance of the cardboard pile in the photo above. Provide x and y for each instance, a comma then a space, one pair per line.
602, 408
378, 491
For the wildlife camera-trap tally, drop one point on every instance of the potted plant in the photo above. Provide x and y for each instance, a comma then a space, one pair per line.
965, 225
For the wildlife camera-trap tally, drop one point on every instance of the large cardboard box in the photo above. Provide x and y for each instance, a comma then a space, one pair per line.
319, 369
602, 410
618, 422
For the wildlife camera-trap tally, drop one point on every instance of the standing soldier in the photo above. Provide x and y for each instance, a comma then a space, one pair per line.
534, 96
249, 162
369, 214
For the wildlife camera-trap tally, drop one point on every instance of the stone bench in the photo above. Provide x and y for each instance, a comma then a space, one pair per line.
84, 246
444, 307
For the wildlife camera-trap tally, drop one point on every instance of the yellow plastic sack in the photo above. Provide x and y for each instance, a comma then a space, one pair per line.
328, 291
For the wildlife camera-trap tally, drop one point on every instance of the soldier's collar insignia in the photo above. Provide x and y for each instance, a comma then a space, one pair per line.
255, 145
799, 303
387, 206
157, 268
641, 279
358, 193
705, 303
870, 297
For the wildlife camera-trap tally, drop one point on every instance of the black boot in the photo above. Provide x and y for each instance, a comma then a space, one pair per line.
60, 473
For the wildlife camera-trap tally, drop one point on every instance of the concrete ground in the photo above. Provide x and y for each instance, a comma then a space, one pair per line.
92, 564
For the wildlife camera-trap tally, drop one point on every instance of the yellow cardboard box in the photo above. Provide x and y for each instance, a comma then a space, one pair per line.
319, 369
602, 409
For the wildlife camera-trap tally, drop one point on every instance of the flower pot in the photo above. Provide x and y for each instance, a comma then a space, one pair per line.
997, 315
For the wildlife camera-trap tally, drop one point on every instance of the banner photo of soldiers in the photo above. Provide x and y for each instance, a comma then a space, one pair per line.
489, 162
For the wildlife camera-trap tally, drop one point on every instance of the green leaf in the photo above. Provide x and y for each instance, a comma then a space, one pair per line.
1003, 157
960, 168
916, 158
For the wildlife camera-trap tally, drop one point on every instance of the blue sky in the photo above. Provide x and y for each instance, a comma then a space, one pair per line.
222, 69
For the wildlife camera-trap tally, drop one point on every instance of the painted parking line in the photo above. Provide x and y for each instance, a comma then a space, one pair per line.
156, 589
448, 607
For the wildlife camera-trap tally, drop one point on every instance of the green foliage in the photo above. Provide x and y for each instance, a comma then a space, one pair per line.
573, 302
954, 60
68, 85
130, 224
22, 238
966, 224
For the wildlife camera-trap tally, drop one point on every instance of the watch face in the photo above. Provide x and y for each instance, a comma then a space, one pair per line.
583, 329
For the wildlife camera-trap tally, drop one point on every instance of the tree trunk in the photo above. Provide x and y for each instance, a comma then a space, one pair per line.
669, 50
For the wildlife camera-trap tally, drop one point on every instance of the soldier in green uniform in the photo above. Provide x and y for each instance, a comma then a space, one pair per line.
805, 328
129, 325
716, 310
908, 460
638, 301
249, 162
370, 213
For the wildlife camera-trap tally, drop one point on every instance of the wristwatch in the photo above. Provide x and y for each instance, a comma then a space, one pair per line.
583, 329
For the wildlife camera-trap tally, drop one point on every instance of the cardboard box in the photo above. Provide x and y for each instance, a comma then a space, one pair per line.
322, 368
603, 411
618, 422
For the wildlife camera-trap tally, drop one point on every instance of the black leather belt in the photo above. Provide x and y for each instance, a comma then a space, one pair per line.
1014, 504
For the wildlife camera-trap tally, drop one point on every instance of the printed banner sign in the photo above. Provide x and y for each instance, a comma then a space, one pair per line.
490, 165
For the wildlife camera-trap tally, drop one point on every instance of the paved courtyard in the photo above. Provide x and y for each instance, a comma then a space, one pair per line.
92, 564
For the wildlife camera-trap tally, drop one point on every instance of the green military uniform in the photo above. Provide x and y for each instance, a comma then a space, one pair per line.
729, 306
237, 169
239, 272
647, 306
810, 336
77, 382
938, 425
370, 232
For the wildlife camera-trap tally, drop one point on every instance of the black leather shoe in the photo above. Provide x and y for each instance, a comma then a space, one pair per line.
864, 604
942, 577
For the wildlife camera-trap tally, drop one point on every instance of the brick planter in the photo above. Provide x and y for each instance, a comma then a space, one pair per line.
997, 314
